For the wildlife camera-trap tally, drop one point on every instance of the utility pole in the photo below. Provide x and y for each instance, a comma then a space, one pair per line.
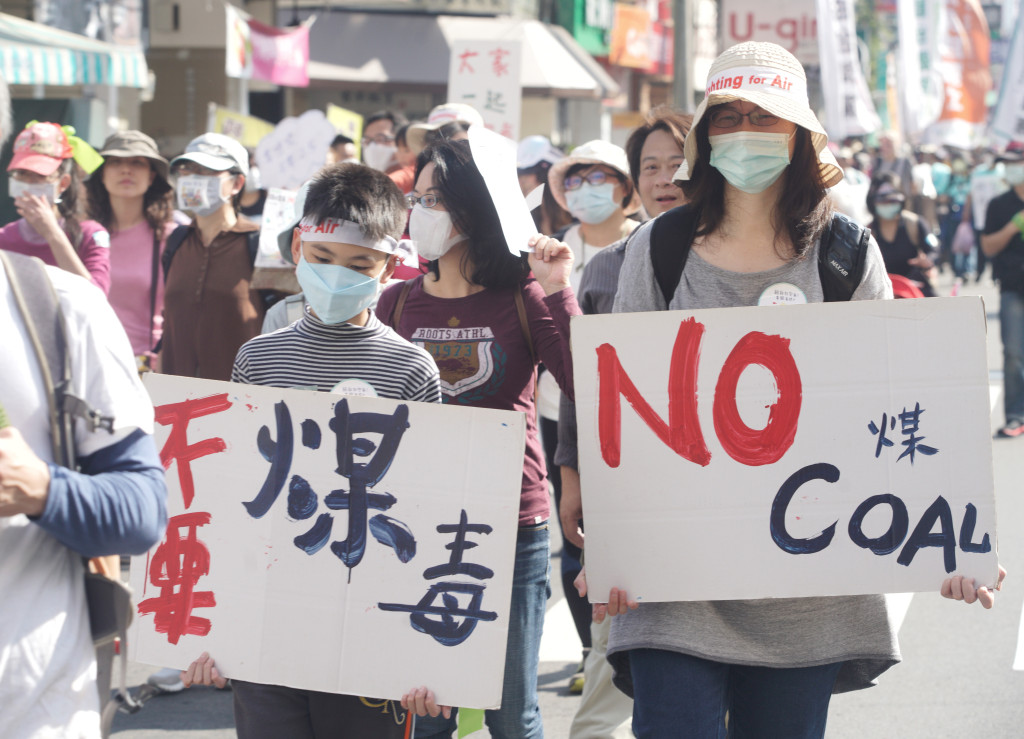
683, 52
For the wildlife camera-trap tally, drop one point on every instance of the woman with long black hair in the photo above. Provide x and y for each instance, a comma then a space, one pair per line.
487, 325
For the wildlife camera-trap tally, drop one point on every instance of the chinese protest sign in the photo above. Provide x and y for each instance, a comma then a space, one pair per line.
295, 150
342, 544
485, 75
801, 450
257, 51
245, 129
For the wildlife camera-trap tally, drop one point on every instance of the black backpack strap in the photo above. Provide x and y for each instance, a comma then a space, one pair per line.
841, 258
671, 237
174, 241
252, 241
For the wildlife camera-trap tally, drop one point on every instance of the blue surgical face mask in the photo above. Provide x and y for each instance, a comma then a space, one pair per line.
749, 160
335, 293
888, 210
592, 203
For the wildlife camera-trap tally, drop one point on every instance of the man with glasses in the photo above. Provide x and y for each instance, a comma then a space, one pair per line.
379, 148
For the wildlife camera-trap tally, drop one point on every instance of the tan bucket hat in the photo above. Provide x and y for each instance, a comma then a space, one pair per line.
768, 76
129, 144
592, 152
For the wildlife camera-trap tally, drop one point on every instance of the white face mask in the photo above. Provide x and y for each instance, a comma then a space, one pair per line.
200, 194
1014, 174
379, 156
429, 229
19, 189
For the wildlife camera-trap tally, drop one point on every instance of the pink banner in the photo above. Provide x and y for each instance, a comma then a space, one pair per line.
262, 52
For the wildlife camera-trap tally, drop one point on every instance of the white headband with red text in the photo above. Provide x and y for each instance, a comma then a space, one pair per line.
339, 231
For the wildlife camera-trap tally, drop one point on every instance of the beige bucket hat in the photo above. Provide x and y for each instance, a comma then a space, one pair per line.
768, 76
592, 152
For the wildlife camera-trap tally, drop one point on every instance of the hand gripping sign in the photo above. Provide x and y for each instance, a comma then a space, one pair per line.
803, 450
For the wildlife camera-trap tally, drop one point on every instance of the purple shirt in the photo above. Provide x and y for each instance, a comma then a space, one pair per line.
93, 248
478, 345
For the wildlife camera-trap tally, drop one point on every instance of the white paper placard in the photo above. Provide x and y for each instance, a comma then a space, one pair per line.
278, 212
871, 412
495, 157
288, 587
485, 75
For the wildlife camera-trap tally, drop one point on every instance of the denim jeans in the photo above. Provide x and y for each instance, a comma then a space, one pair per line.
519, 715
1011, 327
678, 695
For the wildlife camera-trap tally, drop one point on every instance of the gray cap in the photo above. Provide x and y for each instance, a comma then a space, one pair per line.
215, 151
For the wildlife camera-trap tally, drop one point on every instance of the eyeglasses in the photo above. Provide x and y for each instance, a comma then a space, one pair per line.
380, 138
427, 201
729, 118
595, 178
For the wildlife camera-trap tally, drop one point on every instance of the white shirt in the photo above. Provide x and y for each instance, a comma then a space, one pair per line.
47, 663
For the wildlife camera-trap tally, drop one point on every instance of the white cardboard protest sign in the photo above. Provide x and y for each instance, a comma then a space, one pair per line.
295, 151
495, 157
824, 449
485, 75
307, 587
278, 212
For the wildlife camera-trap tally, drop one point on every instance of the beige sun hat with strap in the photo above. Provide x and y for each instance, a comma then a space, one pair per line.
770, 77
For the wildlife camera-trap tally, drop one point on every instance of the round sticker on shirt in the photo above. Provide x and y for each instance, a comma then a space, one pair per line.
782, 293
357, 388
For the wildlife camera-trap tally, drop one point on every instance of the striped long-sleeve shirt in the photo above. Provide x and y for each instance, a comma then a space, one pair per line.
314, 355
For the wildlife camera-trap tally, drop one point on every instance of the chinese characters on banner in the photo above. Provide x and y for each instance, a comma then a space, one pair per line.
485, 75
728, 440
848, 106
341, 544
1008, 116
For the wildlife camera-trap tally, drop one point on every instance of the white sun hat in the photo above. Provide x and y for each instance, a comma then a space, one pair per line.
416, 134
770, 77
592, 152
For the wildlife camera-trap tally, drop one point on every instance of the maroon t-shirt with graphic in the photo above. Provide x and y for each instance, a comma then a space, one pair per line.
485, 362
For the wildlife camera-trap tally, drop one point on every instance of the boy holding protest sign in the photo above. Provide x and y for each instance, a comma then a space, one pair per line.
346, 249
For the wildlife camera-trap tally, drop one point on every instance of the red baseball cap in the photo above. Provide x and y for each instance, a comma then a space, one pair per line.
40, 148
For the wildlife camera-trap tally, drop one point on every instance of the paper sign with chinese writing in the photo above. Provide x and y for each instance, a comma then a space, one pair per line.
278, 212
800, 450
342, 544
295, 151
246, 129
485, 75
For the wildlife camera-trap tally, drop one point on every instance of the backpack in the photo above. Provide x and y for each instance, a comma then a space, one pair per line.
108, 600
844, 246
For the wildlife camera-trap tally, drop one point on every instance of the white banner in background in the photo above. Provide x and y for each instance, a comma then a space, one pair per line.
849, 110
1008, 118
801, 450
342, 544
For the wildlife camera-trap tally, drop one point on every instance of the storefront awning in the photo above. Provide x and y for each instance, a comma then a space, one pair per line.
34, 54
413, 50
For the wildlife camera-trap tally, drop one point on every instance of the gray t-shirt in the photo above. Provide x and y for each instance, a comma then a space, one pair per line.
782, 632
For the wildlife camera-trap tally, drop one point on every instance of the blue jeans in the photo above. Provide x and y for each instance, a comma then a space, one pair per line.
519, 715
1011, 327
678, 695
